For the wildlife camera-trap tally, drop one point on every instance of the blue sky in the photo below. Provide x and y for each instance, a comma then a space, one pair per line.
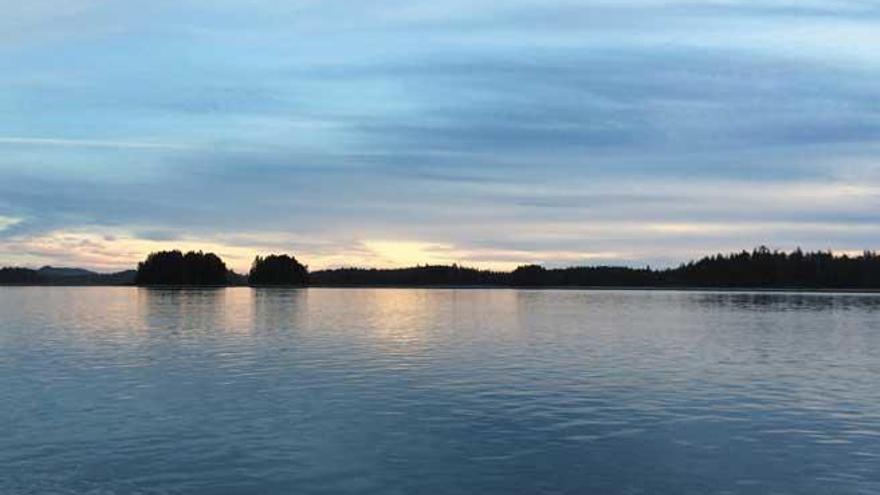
388, 133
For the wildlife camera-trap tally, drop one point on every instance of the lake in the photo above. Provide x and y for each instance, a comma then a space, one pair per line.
410, 391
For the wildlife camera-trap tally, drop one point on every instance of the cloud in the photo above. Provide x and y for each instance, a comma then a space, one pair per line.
6, 222
480, 131
87, 143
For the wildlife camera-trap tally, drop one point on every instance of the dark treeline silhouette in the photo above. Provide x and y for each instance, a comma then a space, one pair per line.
535, 275
278, 270
760, 268
176, 268
765, 268
416, 276
524, 276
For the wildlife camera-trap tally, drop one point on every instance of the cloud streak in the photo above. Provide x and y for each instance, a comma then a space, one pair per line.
89, 143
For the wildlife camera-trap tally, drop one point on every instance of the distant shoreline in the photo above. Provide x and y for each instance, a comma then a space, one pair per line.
601, 288
758, 270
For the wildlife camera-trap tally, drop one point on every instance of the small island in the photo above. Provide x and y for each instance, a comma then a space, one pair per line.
175, 268
278, 270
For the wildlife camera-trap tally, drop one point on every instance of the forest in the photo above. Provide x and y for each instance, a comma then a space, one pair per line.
759, 268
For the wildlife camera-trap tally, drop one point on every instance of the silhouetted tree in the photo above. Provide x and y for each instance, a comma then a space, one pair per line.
176, 268
278, 270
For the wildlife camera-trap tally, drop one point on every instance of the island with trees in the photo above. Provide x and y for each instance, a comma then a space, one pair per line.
175, 268
278, 270
760, 268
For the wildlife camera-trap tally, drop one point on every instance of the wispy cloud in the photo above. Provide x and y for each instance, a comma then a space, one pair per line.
6, 222
91, 143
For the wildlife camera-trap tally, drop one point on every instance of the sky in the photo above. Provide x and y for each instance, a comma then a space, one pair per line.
390, 133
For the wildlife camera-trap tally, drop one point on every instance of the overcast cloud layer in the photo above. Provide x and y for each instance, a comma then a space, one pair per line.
388, 132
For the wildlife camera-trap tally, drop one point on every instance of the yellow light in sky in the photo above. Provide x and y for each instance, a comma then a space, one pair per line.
409, 253
118, 250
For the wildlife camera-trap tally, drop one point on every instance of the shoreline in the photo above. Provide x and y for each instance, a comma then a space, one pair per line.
804, 290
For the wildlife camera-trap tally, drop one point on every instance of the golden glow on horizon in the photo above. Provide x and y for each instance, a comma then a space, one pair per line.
118, 251
109, 252
112, 250
402, 253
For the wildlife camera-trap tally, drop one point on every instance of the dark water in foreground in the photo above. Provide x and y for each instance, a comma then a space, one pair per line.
128, 391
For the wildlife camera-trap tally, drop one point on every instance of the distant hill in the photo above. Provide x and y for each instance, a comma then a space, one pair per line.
236, 279
56, 272
125, 277
63, 276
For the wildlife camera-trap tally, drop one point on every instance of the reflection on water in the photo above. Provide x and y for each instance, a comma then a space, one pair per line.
275, 308
175, 310
122, 390
789, 301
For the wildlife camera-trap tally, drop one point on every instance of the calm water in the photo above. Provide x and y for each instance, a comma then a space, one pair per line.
239, 391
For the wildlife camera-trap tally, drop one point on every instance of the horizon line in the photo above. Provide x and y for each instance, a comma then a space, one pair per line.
645, 266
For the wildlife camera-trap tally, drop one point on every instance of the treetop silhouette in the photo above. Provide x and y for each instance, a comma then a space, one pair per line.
278, 269
175, 268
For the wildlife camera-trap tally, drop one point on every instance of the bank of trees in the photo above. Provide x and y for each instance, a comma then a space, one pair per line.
759, 268
588, 276
765, 268
414, 276
454, 275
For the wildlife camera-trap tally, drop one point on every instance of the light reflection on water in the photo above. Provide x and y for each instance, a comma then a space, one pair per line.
123, 390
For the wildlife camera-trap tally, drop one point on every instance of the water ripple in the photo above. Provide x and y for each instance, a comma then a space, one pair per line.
133, 391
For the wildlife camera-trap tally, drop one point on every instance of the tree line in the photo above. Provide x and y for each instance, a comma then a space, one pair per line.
759, 268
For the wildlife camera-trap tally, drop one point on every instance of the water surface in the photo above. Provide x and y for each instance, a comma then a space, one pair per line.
407, 391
